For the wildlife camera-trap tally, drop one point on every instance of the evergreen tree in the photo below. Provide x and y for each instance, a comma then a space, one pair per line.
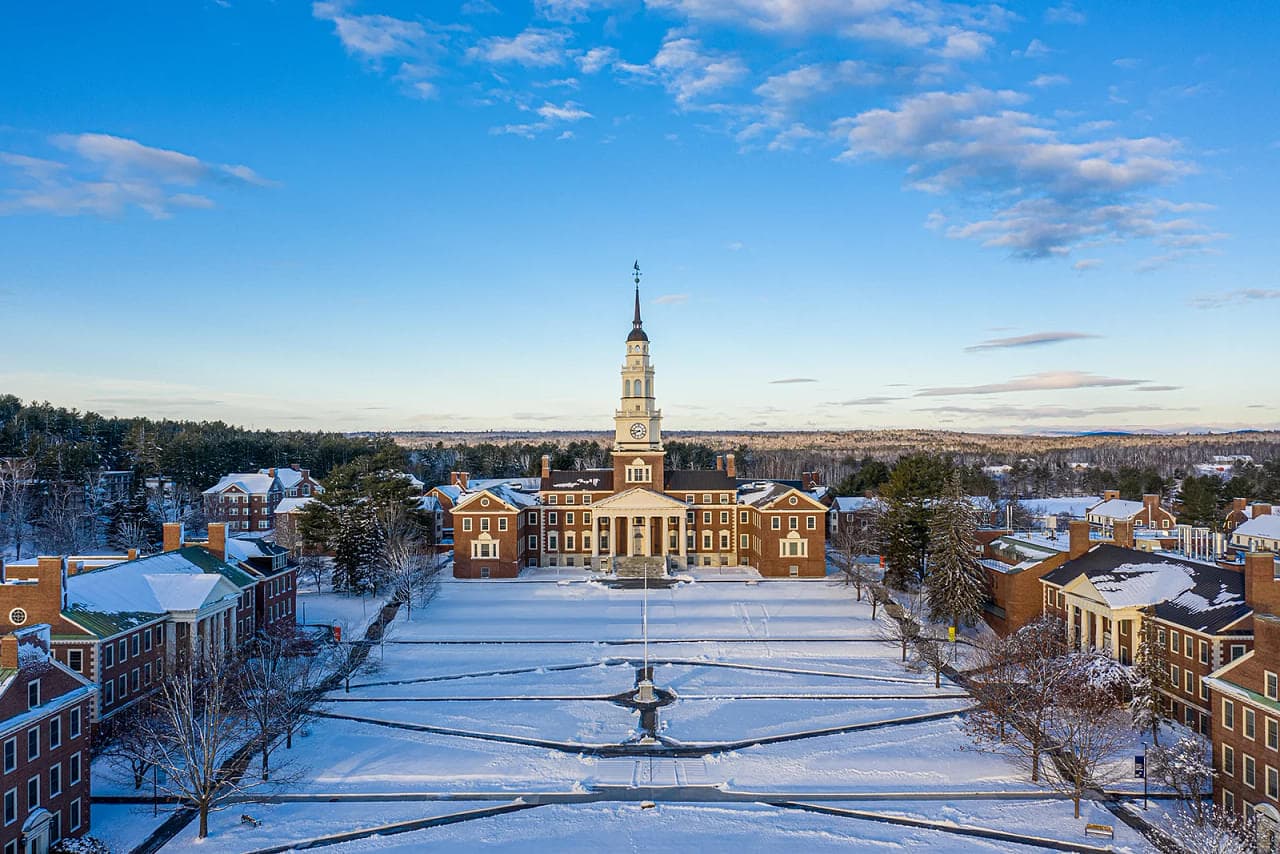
1151, 677
956, 583
1198, 501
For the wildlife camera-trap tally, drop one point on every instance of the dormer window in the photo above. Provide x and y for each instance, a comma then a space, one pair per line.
33, 693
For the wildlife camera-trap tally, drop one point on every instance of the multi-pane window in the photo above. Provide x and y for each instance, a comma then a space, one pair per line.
1228, 760
1273, 783
55, 779
568, 517
1271, 686
484, 523
532, 517
73, 719
793, 523
55, 731
1204, 652
706, 517
33, 693
811, 523
33, 794
10, 806
33, 743
10, 751
502, 523
1249, 771
1273, 733
724, 517
466, 524
1228, 714
1250, 723
73, 769
743, 517
553, 518
75, 660
776, 523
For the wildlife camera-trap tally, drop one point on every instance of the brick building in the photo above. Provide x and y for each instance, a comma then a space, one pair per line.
1147, 513
1245, 697
1259, 534
1015, 563
637, 516
44, 744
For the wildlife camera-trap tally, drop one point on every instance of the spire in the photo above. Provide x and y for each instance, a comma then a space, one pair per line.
637, 325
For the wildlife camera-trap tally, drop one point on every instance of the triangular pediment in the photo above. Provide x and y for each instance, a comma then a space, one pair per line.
803, 501
640, 499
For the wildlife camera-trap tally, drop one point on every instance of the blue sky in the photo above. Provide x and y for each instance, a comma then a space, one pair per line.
380, 214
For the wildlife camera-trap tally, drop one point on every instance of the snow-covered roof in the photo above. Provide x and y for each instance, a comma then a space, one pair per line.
1138, 585
170, 581
523, 484
853, 504
254, 483
1264, 527
290, 505
244, 548
1117, 508
1061, 506
760, 492
429, 504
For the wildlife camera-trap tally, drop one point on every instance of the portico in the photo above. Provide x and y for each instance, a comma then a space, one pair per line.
638, 523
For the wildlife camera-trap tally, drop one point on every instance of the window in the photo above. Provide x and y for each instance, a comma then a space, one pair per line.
10, 754
55, 780
1175, 675
1174, 643
33, 693
1228, 714
744, 542
1273, 733
146, 673
743, 517
724, 498
33, 743
793, 523
1189, 681
55, 731
568, 517
553, 542
688, 498
73, 720
586, 499
551, 499
706, 498
706, 517
724, 517
1250, 723
553, 518
568, 499
1228, 760
1188, 645
502, 523
1204, 652
724, 542
33, 794
532, 518
811, 523
1249, 771
1204, 690
484, 523
73, 815
10, 806
533, 542
1228, 801
466, 524
568, 541
146, 640
484, 572
1273, 783
776, 523
108, 692
1270, 686
1237, 650
133, 680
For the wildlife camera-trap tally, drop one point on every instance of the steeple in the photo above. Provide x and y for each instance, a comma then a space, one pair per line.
637, 325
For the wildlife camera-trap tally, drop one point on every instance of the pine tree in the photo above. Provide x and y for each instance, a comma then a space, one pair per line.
1151, 677
956, 583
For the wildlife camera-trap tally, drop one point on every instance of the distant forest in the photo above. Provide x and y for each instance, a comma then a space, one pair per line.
52, 460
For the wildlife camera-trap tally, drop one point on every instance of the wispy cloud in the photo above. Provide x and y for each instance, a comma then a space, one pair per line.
672, 299
865, 401
108, 174
384, 43
549, 115
1086, 264
1044, 381
1044, 413
1065, 13
1034, 339
791, 380
1045, 80
1239, 296
533, 48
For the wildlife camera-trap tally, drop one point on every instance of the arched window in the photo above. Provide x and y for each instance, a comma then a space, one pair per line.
648, 388
637, 389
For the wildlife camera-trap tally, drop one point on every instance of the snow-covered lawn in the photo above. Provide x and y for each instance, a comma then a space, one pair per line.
537, 660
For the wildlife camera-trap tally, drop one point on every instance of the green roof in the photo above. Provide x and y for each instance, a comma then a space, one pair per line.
209, 562
105, 625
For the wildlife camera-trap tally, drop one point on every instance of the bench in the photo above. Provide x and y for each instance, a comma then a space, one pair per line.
1103, 831
245, 818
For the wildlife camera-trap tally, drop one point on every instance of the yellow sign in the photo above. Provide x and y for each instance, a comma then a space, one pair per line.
951, 633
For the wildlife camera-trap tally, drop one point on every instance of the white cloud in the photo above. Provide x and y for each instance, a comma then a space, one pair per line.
1048, 193
689, 71
597, 58
1045, 80
569, 11
533, 48
671, 299
792, 381
1044, 381
1065, 13
110, 174
781, 91
566, 112
1035, 49
1085, 264
1126, 62
1239, 296
1035, 339
380, 40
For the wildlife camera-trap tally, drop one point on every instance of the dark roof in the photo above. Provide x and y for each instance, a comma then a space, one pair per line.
1215, 600
588, 480
699, 479
637, 327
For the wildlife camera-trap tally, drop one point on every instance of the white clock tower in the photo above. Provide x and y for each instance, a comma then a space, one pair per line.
638, 421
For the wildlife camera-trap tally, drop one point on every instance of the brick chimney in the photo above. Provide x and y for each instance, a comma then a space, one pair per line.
1078, 538
174, 536
1261, 510
1261, 582
294, 466
719, 462
1110, 494
132, 554
546, 466
9, 652
730, 467
1122, 534
1239, 504
306, 473
218, 539
271, 472
458, 479
51, 577
1152, 504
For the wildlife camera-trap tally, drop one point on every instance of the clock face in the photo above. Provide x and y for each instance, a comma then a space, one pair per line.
638, 430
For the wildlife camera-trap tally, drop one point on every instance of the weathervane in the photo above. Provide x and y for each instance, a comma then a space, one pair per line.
636, 271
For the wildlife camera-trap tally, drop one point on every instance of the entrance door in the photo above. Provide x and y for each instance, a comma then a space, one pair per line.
35, 832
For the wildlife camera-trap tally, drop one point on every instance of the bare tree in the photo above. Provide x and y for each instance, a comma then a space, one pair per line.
1184, 766
850, 544
132, 535
17, 498
124, 741
1218, 832
195, 726
1016, 684
63, 521
902, 624
313, 567
931, 653
277, 688
1087, 725
410, 567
